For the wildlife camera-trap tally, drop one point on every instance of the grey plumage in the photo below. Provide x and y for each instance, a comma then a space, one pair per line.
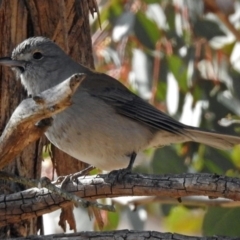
106, 122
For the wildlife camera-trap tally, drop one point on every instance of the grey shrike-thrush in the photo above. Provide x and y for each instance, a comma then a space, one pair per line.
107, 125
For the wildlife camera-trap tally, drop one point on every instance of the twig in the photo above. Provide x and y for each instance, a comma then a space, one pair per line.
22, 130
46, 183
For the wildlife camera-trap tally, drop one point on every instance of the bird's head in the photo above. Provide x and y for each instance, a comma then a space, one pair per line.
39, 62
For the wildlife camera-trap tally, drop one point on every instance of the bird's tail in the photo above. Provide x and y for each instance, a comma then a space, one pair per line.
213, 139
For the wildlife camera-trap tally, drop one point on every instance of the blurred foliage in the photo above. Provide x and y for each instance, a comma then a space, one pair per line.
217, 220
179, 215
183, 57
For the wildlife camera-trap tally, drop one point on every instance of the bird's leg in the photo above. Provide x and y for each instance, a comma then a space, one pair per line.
131, 162
121, 173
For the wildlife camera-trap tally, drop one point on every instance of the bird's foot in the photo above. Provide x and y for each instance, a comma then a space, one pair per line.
120, 174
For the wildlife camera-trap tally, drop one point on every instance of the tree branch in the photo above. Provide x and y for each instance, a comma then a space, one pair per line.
125, 234
35, 202
22, 130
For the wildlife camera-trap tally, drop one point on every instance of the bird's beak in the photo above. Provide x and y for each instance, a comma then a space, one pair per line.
9, 62
17, 64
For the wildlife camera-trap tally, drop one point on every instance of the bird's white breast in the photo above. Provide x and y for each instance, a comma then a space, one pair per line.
91, 131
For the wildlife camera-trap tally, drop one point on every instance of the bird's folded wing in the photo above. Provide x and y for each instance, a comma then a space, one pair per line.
130, 105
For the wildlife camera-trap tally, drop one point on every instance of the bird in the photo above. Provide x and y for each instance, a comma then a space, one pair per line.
107, 125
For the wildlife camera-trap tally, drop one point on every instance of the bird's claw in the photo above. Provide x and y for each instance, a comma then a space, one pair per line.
120, 174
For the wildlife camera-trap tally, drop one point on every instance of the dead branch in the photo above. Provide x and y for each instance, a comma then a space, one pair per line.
35, 201
22, 130
124, 234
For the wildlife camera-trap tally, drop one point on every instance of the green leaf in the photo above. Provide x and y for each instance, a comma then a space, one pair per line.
112, 221
213, 167
152, 1
179, 70
183, 220
170, 13
236, 156
217, 161
115, 10
228, 48
166, 160
146, 31
222, 221
161, 91
207, 29
197, 93
45, 152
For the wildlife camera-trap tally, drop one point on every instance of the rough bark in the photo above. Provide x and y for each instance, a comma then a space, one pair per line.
13, 29
35, 201
66, 22
127, 235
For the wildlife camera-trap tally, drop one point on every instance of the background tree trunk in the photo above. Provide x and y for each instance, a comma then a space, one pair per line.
66, 23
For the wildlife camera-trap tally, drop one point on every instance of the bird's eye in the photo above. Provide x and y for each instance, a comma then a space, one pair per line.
21, 69
37, 55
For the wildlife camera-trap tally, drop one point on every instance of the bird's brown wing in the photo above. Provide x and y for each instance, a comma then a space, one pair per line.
128, 104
